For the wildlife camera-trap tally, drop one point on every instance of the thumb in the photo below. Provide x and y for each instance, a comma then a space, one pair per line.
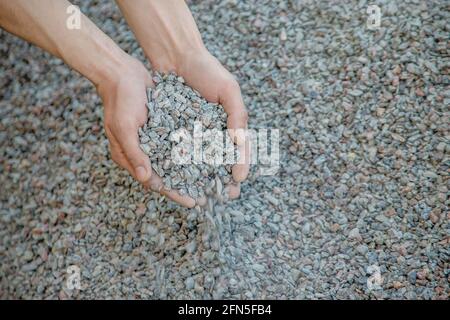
139, 161
231, 99
237, 125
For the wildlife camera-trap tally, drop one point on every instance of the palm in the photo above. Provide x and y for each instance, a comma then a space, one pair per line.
204, 73
125, 112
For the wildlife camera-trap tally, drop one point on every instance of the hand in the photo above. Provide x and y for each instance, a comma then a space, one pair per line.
205, 73
124, 99
172, 42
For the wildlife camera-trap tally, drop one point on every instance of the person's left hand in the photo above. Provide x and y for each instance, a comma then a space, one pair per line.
205, 73
124, 99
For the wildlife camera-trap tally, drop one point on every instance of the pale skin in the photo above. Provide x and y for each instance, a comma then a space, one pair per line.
171, 41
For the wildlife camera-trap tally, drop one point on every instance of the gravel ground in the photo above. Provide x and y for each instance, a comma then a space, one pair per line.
363, 180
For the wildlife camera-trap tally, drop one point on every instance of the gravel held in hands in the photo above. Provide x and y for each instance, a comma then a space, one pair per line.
190, 160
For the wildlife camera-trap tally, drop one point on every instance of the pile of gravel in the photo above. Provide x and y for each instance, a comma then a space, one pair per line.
191, 161
363, 182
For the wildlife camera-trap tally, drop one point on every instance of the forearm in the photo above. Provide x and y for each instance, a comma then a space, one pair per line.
165, 29
43, 22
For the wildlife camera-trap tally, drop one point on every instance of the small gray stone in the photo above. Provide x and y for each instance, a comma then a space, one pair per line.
258, 267
412, 276
189, 283
362, 249
354, 234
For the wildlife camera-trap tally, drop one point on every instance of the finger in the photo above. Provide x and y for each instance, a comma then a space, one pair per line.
202, 201
122, 162
237, 124
155, 183
184, 200
118, 156
234, 190
231, 100
149, 81
241, 169
128, 139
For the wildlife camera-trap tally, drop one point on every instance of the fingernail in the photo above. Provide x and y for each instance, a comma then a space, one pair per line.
141, 174
240, 137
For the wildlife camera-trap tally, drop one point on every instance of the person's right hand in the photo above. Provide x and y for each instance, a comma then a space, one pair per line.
124, 99
205, 73
172, 42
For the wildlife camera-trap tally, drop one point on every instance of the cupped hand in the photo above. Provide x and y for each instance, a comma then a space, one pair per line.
125, 111
205, 73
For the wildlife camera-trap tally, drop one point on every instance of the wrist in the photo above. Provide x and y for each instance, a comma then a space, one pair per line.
119, 70
166, 31
91, 52
110, 68
170, 57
